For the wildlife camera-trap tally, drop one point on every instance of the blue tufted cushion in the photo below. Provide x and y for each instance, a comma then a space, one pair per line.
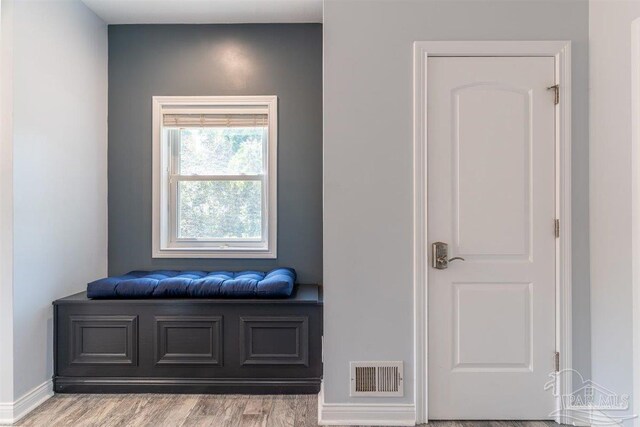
195, 284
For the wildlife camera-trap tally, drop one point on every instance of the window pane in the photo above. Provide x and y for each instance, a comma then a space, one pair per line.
220, 209
221, 150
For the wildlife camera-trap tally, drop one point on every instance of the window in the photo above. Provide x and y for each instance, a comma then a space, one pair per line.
214, 172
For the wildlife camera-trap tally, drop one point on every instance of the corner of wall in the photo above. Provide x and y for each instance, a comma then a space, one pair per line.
6, 203
13, 412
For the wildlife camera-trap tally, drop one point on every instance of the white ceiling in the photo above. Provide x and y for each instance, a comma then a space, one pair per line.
206, 11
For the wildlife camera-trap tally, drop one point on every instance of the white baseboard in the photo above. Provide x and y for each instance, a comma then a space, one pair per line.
12, 412
370, 414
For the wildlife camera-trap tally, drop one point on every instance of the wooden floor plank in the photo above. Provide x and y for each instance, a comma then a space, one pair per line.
166, 410
48, 411
306, 411
282, 412
208, 404
256, 411
230, 411
69, 414
98, 410
184, 410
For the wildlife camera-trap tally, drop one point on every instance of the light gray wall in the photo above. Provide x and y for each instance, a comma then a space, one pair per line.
368, 166
59, 171
611, 194
6, 203
273, 59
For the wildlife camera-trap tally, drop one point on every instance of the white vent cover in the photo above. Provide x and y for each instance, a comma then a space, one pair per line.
376, 379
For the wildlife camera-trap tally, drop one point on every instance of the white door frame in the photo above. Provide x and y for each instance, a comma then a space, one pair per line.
561, 51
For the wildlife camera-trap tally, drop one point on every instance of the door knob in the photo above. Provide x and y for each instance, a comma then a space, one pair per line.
440, 256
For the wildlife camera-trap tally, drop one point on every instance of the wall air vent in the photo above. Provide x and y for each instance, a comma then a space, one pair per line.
376, 379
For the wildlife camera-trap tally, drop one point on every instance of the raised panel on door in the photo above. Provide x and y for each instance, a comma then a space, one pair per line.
473, 327
479, 135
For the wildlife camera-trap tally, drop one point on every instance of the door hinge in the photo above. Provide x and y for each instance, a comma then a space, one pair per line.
556, 96
557, 362
556, 228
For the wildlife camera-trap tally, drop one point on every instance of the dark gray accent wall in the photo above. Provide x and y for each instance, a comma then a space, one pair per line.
270, 59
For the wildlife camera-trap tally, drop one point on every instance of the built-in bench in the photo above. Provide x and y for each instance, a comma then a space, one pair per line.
180, 345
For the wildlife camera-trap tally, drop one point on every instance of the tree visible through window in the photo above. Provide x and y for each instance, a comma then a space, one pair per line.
220, 209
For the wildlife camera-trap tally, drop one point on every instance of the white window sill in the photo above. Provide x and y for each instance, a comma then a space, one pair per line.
227, 253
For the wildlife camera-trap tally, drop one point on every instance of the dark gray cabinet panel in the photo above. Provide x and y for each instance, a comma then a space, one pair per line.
189, 340
103, 339
273, 340
189, 346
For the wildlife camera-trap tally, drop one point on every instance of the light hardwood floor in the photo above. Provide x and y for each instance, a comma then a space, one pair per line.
173, 410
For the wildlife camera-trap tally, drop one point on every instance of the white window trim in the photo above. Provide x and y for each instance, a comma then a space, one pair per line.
161, 215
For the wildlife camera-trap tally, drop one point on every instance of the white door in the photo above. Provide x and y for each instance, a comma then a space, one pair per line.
491, 198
